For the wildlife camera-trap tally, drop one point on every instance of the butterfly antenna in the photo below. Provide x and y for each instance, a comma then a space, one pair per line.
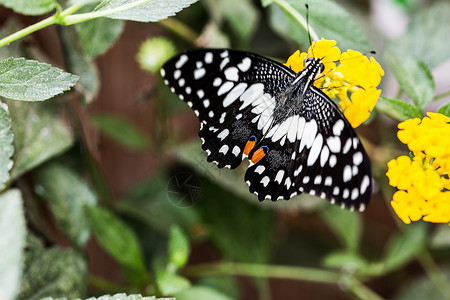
307, 23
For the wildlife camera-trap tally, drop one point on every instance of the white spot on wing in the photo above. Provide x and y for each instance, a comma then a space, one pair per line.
206, 103
338, 126
176, 74
260, 169
236, 150
234, 94
254, 92
244, 66
199, 73
208, 57
324, 156
224, 149
334, 142
181, 61
347, 174
231, 74
279, 176
265, 181
328, 181
315, 150
200, 93
225, 88
217, 81
365, 184
223, 134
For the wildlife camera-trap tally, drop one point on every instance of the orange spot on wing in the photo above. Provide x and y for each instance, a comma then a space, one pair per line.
258, 155
249, 146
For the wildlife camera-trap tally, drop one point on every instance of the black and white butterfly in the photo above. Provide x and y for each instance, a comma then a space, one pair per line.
296, 138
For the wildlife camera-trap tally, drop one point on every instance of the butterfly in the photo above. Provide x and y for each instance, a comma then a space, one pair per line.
295, 137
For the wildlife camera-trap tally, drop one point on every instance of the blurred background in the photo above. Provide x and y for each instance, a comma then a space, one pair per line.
133, 148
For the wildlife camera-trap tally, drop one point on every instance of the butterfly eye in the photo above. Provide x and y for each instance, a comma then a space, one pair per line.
309, 59
321, 67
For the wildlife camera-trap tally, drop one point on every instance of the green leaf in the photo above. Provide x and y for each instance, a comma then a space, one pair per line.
445, 109
6, 145
266, 2
12, 242
201, 292
440, 239
154, 52
346, 225
98, 35
39, 134
67, 195
423, 287
143, 10
79, 64
30, 80
178, 247
328, 19
405, 245
54, 272
242, 231
241, 15
414, 77
398, 109
121, 131
170, 284
348, 261
116, 238
30, 7
427, 36
127, 297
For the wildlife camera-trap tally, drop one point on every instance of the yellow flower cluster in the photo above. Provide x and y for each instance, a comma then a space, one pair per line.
346, 74
423, 179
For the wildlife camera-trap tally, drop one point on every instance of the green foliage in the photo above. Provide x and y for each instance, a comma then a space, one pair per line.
12, 242
29, 80
30, 7
398, 109
345, 224
178, 248
157, 230
414, 77
98, 35
444, 109
67, 196
121, 131
53, 272
328, 19
404, 246
116, 238
39, 134
6, 145
148, 11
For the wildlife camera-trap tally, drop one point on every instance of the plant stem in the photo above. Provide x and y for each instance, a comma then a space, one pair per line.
282, 272
263, 271
55, 19
70, 20
434, 273
28, 30
180, 29
441, 96
298, 17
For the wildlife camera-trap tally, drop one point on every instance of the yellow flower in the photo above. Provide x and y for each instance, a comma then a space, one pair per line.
423, 180
354, 75
408, 205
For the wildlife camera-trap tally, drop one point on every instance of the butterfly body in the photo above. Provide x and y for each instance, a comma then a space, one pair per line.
296, 138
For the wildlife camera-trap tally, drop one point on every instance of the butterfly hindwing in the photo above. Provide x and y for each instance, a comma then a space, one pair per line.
232, 94
316, 151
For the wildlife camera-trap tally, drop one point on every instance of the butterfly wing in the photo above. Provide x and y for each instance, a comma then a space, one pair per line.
316, 151
231, 92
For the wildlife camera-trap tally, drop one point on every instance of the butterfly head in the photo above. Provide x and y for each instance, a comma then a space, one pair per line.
314, 65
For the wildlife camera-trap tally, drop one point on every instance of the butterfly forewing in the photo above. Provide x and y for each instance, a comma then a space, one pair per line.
310, 146
227, 90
